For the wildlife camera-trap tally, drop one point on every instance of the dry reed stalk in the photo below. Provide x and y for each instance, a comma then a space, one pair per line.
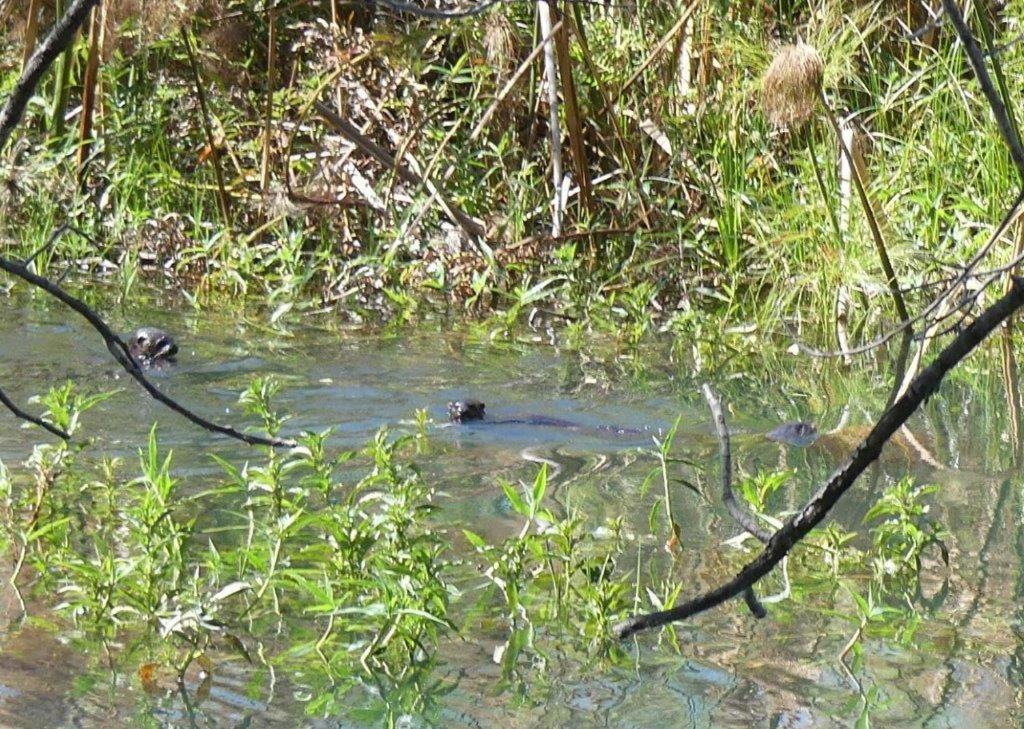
792, 87
90, 87
31, 31
551, 82
223, 198
572, 117
628, 152
268, 112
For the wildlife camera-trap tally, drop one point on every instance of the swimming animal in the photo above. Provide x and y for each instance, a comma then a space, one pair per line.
799, 433
471, 410
151, 346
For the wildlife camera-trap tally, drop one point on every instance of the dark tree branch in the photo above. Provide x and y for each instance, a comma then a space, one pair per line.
119, 350
18, 412
469, 10
988, 88
60, 37
728, 498
425, 12
797, 527
54, 235
56, 42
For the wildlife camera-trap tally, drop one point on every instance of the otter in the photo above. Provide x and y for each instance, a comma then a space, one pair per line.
152, 347
465, 411
471, 410
799, 433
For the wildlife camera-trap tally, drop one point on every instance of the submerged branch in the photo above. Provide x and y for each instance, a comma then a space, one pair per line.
119, 350
798, 526
728, 497
725, 455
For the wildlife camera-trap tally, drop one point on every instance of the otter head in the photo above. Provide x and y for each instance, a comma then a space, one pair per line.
465, 411
799, 433
150, 345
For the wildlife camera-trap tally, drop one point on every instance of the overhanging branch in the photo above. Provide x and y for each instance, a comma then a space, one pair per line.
797, 527
119, 351
18, 412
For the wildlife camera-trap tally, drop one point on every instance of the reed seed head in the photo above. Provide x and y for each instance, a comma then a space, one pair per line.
499, 44
792, 84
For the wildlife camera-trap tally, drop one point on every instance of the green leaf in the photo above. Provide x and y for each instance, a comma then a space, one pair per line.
475, 539
515, 499
540, 485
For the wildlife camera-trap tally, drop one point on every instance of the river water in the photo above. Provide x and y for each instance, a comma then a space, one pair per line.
962, 667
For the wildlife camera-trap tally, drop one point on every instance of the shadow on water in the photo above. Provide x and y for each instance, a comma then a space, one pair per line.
729, 671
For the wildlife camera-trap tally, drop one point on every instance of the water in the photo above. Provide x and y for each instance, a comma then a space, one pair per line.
962, 668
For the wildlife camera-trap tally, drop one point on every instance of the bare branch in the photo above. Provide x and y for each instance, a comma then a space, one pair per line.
1011, 216
119, 350
797, 527
424, 12
725, 454
988, 88
56, 42
468, 11
54, 235
350, 132
737, 513
18, 412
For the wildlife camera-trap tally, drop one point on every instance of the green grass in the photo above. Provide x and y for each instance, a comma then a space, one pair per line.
732, 221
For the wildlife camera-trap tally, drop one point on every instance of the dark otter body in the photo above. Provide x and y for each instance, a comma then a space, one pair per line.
470, 411
799, 433
152, 347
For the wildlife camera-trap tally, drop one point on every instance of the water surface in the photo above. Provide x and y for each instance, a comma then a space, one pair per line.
962, 668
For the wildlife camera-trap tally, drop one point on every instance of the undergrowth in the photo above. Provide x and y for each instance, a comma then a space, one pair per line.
699, 209
282, 563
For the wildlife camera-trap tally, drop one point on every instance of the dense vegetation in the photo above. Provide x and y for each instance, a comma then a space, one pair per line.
719, 172
195, 152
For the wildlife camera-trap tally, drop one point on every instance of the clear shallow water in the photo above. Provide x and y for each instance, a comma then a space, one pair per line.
962, 670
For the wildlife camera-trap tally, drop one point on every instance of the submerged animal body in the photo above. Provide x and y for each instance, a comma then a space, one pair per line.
799, 433
471, 410
151, 346
904, 448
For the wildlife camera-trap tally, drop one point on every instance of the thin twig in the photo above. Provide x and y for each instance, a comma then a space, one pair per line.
995, 101
119, 350
1011, 216
350, 132
18, 412
651, 57
797, 527
57, 233
222, 192
1009, 134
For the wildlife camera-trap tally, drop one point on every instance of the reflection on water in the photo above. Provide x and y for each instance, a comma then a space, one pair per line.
961, 669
